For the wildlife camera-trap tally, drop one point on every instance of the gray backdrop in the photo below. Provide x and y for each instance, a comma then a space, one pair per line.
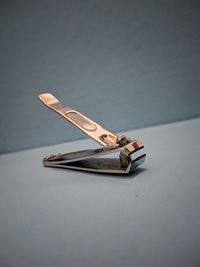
126, 64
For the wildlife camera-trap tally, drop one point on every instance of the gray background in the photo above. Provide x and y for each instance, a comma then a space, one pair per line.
126, 64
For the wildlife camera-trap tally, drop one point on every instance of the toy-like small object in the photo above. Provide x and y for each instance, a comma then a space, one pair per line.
130, 151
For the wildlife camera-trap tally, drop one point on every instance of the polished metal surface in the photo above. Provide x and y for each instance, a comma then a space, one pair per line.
92, 129
130, 151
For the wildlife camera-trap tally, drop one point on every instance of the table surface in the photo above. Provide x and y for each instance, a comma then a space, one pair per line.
60, 217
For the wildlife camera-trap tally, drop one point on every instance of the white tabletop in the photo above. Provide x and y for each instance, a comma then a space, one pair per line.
59, 217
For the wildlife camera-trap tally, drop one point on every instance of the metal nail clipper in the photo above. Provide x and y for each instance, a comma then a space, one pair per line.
130, 152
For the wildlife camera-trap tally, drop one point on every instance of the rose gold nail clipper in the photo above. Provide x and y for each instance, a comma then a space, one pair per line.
130, 151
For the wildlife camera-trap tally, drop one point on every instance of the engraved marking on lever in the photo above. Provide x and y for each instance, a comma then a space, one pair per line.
82, 121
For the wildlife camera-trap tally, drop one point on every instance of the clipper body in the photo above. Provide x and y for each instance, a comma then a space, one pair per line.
130, 151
